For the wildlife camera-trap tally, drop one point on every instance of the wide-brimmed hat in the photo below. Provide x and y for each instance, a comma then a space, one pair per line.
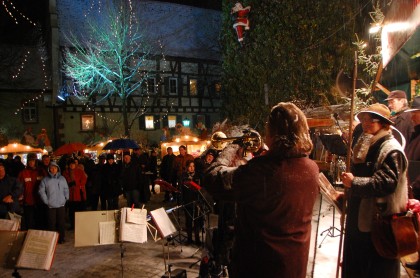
415, 106
396, 94
378, 109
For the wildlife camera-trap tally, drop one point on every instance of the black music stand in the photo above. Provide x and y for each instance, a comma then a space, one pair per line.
166, 228
334, 143
170, 188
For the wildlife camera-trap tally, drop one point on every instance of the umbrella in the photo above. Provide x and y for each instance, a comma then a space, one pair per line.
120, 144
70, 148
19, 148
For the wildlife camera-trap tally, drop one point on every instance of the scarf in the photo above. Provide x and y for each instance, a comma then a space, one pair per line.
363, 144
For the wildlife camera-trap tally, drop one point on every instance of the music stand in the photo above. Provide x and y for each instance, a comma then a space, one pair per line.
334, 144
166, 228
333, 197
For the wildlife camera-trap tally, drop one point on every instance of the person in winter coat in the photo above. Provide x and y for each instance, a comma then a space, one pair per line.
76, 180
29, 178
111, 188
398, 104
274, 194
130, 180
54, 192
10, 190
167, 170
413, 155
377, 183
194, 218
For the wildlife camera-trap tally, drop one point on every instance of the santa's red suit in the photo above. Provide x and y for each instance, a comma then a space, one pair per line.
241, 21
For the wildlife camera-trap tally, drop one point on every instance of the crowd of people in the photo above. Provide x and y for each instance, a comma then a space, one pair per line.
45, 193
269, 198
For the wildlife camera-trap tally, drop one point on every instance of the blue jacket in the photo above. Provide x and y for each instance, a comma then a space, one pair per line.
54, 190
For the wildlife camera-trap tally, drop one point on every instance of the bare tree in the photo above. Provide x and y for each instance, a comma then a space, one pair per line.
112, 58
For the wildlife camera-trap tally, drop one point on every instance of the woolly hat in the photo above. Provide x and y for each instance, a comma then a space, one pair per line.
378, 109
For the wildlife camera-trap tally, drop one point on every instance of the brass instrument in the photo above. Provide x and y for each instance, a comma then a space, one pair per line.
251, 140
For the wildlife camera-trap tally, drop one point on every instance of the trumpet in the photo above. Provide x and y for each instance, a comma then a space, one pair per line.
251, 140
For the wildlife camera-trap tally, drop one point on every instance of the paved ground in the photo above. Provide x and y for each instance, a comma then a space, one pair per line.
147, 260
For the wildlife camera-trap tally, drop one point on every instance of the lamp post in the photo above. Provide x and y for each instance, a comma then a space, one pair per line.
186, 122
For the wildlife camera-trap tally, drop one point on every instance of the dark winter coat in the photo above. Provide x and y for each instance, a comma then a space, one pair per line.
275, 199
167, 167
110, 180
382, 175
404, 125
9, 186
130, 176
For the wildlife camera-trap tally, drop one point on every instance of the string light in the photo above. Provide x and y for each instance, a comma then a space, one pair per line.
17, 11
45, 85
22, 65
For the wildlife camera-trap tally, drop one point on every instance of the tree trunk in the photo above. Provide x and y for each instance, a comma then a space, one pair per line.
125, 117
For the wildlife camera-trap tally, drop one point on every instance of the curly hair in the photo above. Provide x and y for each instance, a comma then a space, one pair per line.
288, 130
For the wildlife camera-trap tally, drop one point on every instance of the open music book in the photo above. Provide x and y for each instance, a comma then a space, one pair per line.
133, 225
38, 250
333, 196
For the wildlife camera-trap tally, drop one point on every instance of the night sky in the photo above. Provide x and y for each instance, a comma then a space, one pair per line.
37, 11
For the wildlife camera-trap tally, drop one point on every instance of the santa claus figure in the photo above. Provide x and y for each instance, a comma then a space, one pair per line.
241, 21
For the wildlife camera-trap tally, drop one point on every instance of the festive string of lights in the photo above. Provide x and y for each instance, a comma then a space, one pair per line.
22, 65
45, 85
17, 11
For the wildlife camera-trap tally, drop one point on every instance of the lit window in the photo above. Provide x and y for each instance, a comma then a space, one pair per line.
30, 113
193, 87
149, 122
173, 86
171, 121
218, 87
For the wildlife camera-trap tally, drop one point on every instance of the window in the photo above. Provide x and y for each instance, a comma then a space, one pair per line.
218, 87
151, 85
149, 122
173, 86
171, 121
87, 122
193, 87
30, 113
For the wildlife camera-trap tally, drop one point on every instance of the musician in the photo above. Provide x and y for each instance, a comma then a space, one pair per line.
377, 181
275, 194
193, 215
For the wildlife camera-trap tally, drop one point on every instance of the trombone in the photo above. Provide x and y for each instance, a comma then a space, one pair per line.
251, 140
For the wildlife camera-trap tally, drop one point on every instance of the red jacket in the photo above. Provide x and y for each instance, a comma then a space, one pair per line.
77, 189
29, 178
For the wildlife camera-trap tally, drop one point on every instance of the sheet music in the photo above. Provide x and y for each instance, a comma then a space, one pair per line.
163, 223
38, 249
107, 232
136, 216
330, 193
130, 231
